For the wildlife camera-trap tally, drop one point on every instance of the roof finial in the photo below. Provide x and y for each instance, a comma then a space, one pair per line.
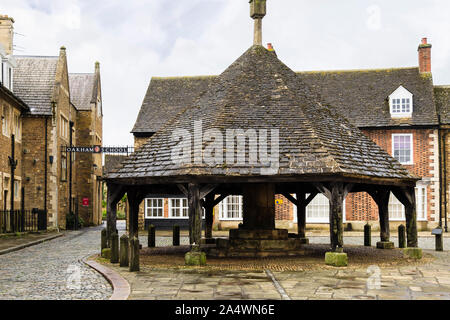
257, 12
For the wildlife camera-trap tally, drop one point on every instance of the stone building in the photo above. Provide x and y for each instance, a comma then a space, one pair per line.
50, 175
12, 109
394, 107
86, 95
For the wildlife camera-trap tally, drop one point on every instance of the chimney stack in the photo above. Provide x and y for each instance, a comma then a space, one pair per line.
424, 56
271, 49
7, 33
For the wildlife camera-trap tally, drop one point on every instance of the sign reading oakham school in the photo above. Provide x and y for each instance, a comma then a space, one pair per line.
97, 149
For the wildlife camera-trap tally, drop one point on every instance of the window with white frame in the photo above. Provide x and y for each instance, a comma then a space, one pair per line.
64, 127
402, 148
16, 189
397, 210
231, 208
154, 208
318, 211
5, 120
178, 208
17, 126
401, 103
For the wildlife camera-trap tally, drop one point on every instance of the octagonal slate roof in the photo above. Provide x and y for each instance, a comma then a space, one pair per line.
259, 92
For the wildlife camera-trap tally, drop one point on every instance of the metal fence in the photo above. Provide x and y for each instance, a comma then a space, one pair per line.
23, 221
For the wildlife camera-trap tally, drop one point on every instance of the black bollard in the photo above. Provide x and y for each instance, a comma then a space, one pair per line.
104, 243
367, 235
401, 236
151, 236
439, 240
176, 235
124, 259
134, 254
114, 248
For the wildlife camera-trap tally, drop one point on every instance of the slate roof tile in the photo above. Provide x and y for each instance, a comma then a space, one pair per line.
259, 92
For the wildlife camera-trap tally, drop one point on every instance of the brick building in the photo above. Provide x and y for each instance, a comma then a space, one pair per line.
398, 108
50, 175
86, 95
12, 109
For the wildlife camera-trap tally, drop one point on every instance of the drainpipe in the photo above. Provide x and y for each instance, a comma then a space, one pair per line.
70, 176
13, 164
445, 181
45, 164
441, 171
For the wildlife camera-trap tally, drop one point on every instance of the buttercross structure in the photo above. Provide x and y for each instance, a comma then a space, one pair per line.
47, 109
398, 108
318, 152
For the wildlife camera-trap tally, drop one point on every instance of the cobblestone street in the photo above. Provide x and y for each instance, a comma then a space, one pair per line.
53, 270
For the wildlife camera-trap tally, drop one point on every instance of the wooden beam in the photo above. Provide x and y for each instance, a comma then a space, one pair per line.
205, 190
291, 198
183, 189
195, 214
219, 199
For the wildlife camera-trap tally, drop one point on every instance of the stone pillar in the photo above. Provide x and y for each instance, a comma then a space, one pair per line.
114, 248
195, 214
124, 258
257, 39
259, 206
134, 254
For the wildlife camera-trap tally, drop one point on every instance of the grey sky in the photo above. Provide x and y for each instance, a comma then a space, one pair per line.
135, 39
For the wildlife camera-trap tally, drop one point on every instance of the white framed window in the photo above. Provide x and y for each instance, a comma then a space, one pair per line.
178, 208
231, 208
397, 210
318, 211
5, 120
401, 103
402, 148
17, 186
17, 126
154, 208
64, 127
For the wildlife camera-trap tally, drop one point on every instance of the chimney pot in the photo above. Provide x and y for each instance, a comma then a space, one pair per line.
424, 56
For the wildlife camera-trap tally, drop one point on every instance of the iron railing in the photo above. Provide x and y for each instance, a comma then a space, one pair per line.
23, 221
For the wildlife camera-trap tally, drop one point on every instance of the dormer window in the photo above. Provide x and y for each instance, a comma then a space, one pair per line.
401, 103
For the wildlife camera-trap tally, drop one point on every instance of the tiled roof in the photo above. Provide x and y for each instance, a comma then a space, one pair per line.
362, 96
442, 98
82, 92
112, 162
34, 81
166, 97
259, 92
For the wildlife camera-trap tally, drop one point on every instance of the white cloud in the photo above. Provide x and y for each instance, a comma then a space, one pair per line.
136, 39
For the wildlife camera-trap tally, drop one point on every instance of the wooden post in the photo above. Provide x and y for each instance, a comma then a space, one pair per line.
407, 197
176, 236
259, 206
134, 199
151, 236
114, 195
336, 194
367, 235
301, 214
209, 215
401, 236
195, 214
104, 240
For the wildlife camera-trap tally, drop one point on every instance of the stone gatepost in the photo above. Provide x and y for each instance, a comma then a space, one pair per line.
124, 258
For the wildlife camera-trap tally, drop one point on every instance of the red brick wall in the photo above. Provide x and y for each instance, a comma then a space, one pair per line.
361, 207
